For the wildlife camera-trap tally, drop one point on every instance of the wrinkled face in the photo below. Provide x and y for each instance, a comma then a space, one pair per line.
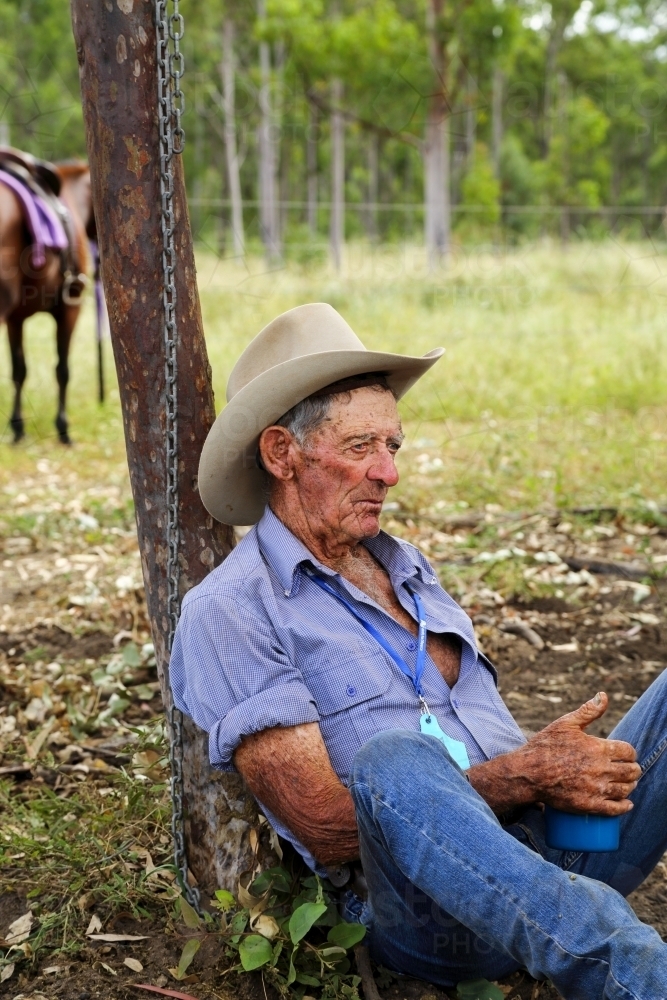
347, 465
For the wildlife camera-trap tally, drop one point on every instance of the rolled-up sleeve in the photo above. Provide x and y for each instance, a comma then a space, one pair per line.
230, 674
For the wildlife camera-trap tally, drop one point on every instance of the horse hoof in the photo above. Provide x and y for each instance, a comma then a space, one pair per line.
18, 427
63, 431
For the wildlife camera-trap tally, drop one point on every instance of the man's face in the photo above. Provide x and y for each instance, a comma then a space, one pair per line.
348, 464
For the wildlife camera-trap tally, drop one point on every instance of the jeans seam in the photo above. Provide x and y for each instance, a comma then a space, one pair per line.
488, 885
655, 754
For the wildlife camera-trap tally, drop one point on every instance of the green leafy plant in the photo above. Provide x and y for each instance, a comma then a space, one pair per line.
288, 927
479, 989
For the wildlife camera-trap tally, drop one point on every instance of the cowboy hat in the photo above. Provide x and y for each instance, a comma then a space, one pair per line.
298, 353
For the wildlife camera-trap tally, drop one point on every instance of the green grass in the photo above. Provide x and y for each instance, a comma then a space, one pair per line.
68, 854
553, 388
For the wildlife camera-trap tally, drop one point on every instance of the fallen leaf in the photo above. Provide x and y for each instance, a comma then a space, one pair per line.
86, 901
145, 758
134, 964
7, 972
516, 696
190, 949
108, 968
517, 627
566, 647
32, 749
190, 916
94, 925
256, 904
264, 925
645, 618
20, 930
116, 938
163, 992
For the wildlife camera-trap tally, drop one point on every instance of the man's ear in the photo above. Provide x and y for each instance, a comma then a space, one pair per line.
276, 450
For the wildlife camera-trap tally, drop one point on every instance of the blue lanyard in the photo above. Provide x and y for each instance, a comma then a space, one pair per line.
428, 724
416, 678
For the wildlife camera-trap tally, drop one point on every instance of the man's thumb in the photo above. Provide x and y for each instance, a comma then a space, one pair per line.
589, 711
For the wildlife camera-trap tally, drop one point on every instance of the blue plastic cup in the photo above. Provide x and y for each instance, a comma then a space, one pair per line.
581, 831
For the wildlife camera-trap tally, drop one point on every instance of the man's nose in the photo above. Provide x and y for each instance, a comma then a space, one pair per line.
383, 468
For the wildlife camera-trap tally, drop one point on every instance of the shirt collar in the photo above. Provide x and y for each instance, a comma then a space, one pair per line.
284, 553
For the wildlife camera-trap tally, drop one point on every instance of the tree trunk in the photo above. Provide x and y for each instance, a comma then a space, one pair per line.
562, 12
337, 230
280, 152
498, 87
373, 186
227, 72
471, 120
117, 61
437, 203
311, 166
268, 200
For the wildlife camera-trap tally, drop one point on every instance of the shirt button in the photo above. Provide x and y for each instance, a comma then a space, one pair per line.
455, 702
411, 645
351, 690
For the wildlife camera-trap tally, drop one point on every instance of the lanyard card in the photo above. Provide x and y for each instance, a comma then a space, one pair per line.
429, 726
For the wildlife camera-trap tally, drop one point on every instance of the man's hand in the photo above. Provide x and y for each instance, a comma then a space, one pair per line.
564, 767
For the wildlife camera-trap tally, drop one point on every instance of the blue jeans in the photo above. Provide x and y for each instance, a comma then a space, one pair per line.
454, 895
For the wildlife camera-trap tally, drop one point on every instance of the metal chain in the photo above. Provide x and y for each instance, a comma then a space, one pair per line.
170, 67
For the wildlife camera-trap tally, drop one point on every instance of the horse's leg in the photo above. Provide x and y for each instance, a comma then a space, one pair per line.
66, 317
19, 372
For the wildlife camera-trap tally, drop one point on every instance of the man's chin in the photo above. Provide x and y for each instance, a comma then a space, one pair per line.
369, 524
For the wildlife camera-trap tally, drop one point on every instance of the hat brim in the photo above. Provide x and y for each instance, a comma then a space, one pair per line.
231, 486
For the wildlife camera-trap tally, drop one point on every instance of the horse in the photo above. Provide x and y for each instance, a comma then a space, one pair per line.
26, 288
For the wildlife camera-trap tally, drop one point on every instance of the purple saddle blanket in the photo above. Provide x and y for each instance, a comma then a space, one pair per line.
46, 229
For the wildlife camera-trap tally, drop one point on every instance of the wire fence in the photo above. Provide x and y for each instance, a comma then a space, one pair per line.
395, 221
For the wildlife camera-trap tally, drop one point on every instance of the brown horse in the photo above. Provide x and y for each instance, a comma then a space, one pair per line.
25, 291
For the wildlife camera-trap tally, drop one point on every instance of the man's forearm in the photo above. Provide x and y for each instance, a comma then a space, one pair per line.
290, 772
502, 782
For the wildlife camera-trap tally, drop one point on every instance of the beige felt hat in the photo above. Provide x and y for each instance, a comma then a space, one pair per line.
298, 353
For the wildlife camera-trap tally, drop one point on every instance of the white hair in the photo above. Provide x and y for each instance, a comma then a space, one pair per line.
304, 418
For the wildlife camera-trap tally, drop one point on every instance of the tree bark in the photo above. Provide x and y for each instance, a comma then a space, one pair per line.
337, 228
437, 201
117, 61
268, 200
227, 73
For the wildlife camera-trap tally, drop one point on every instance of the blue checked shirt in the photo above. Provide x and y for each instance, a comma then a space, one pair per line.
260, 645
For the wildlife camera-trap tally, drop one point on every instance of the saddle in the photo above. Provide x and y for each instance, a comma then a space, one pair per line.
43, 180
42, 172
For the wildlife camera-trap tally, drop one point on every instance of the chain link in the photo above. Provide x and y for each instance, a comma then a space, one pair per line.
170, 68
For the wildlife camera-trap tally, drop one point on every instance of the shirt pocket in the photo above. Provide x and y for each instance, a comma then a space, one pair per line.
348, 686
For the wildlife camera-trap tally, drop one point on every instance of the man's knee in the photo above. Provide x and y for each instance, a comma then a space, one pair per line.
390, 757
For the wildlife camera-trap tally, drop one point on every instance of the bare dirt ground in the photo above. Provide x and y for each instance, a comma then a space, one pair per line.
565, 605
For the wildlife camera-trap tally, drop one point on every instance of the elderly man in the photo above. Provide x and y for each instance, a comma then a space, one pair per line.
334, 673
